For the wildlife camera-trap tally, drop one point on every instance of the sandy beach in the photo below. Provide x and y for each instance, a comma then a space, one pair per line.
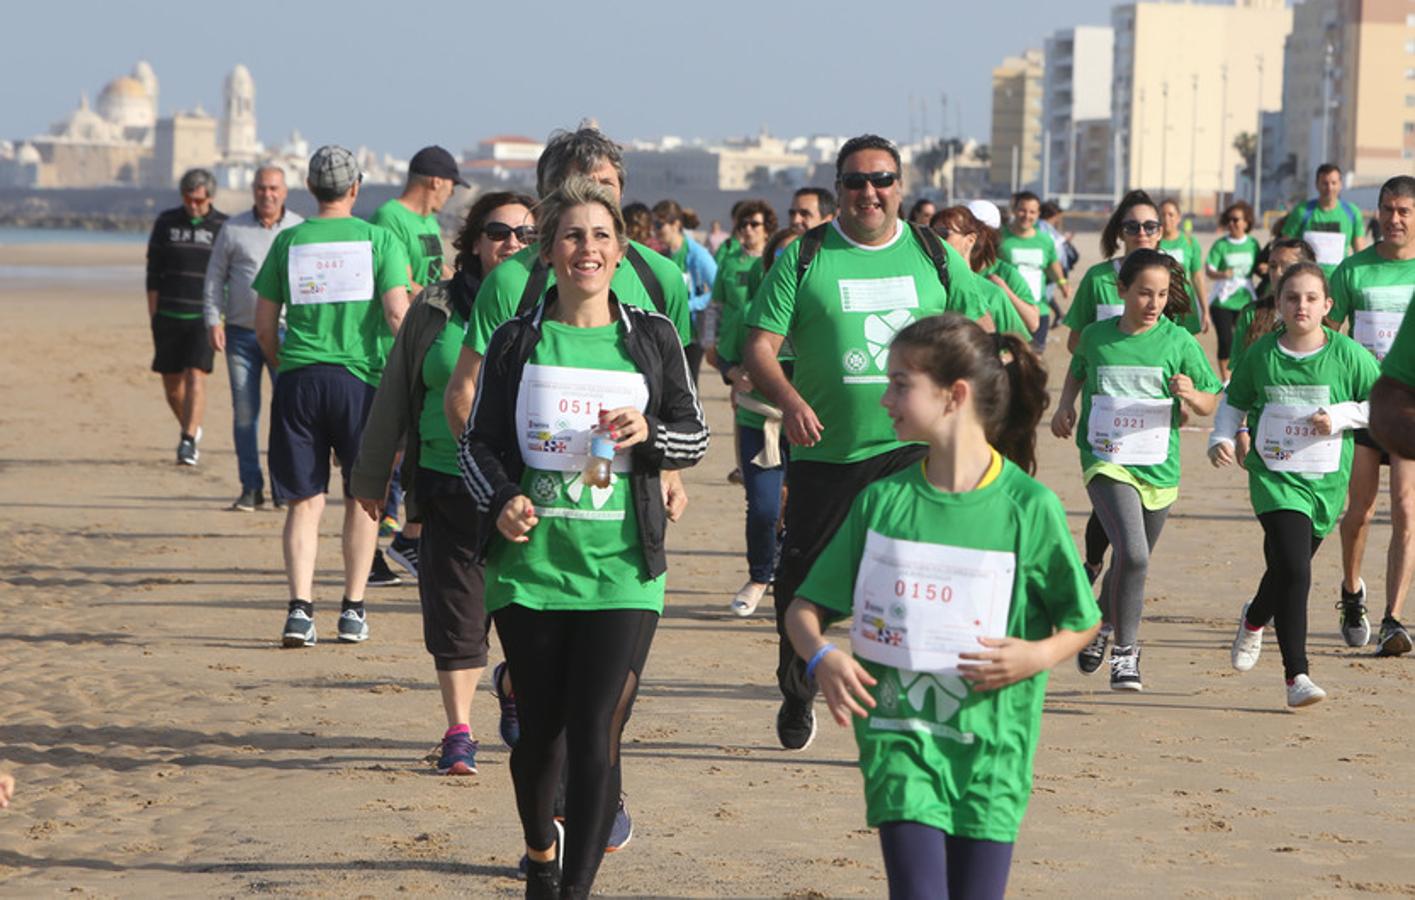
166, 746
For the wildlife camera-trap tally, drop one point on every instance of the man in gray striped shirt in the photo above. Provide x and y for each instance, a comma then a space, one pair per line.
228, 305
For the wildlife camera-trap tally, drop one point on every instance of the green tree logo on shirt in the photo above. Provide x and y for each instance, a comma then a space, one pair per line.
880, 330
948, 692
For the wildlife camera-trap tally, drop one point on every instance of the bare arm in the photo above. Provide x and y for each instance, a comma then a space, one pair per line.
1058, 278
1064, 419
1393, 416
1201, 290
395, 307
1030, 314
803, 427
267, 329
1072, 340
461, 390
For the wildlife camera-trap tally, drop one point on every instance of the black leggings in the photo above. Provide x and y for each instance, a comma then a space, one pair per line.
1288, 547
576, 674
1223, 320
923, 863
1096, 541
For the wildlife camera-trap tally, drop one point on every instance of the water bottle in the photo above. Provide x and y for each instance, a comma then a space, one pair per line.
599, 461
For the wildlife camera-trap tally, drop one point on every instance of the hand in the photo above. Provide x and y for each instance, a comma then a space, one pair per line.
374, 508
1321, 422
844, 683
217, 335
517, 517
675, 498
1204, 325
741, 379
802, 427
1182, 386
1011, 660
1063, 421
7, 789
625, 424
1221, 454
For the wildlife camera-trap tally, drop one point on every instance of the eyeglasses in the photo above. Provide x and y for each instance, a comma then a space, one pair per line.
751, 223
856, 181
500, 231
1132, 227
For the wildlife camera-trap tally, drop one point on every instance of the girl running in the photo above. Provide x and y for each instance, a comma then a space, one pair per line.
1230, 263
1134, 372
1304, 389
964, 587
580, 385
1185, 250
977, 243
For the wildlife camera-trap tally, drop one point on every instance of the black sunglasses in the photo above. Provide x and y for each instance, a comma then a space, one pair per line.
500, 231
1132, 227
856, 181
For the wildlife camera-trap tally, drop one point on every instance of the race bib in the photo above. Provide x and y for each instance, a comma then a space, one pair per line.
1129, 431
1108, 311
1176, 254
558, 406
1028, 261
867, 295
337, 272
1288, 442
1329, 246
1376, 330
919, 605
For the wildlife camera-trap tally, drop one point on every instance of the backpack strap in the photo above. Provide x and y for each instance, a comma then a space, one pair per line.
1353, 214
648, 278
810, 245
1307, 209
933, 246
535, 286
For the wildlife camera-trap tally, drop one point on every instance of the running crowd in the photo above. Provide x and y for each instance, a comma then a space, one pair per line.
532, 402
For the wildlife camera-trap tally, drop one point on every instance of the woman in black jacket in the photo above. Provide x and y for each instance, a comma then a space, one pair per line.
575, 571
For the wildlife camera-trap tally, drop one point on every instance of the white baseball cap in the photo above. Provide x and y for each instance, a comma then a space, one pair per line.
985, 211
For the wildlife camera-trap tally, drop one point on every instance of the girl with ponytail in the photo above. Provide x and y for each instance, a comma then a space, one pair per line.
1133, 373
964, 588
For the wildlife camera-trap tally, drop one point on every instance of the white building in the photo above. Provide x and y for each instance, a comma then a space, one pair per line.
237, 132
1076, 91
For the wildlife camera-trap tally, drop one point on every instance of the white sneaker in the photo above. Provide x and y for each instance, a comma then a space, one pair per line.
1247, 644
751, 594
1302, 692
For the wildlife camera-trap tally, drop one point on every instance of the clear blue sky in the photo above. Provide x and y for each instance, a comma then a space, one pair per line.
395, 76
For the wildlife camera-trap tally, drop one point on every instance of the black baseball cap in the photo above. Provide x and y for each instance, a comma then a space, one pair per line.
436, 162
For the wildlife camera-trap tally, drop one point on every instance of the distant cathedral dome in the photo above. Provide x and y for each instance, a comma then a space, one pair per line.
125, 102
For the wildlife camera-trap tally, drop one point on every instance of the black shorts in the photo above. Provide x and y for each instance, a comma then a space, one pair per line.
180, 344
317, 410
1362, 437
450, 577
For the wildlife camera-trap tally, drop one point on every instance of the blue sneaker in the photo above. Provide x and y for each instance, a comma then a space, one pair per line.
510, 722
353, 627
299, 630
459, 754
622, 831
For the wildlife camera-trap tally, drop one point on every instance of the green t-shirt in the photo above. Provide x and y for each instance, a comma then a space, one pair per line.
1400, 361
1372, 293
1128, 415
732, 289
420, 236
851, 302
500, 294
585, 552
1185, 251
1241, 326
1240, 257
933, 750
1014, 281
1270, 382
1004, 315
340, 269
1033, 256
439, 446
725, 249
1329, 232
1097, 297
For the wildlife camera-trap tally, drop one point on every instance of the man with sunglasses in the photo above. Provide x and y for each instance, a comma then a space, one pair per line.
412, 219
871, 274
811, 206
343, 283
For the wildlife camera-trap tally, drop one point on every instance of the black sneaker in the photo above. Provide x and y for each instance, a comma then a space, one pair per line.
1394, 639
379, 575
1355, 627
543, 878
1125, 669
404, 551
187, 452
1093, 654
249, 501
795, 724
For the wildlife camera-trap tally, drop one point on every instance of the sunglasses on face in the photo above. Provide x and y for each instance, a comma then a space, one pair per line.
500, 231
1132, 227
856, 181
753, 223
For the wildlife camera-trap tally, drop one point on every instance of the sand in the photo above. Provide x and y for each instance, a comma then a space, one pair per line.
165, 746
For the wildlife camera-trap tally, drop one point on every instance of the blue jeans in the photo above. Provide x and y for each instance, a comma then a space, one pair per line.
244, 363
763, 504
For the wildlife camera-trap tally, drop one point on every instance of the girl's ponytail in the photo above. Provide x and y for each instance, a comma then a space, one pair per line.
1015, 436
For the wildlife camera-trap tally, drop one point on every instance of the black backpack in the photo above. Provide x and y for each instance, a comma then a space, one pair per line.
933, 245
540, 274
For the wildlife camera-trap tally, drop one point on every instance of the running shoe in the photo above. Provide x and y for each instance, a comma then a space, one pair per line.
1125, 669
1247, 644
1355, 627
379, 574
299, 630
249, 501
404, 551
353, 626
734, 477
387, 527
458, 754
745, 603
795, 724
543, 878
1302, 692
187, 452
1394, 639
510, 722
622, 831
1093, 654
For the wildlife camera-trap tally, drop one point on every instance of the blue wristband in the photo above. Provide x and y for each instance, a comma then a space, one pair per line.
815, 660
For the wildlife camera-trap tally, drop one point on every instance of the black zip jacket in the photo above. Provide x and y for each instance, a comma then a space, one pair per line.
177, 253
490, 455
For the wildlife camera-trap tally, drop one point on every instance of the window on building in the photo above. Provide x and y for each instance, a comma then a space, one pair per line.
1410, 48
